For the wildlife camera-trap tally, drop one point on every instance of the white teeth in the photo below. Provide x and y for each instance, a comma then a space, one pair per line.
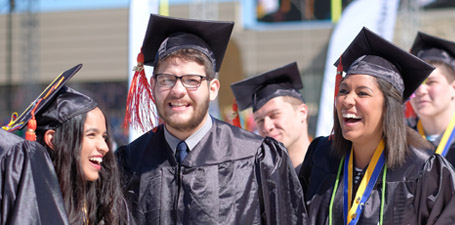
350, 116
178, 104
96, 159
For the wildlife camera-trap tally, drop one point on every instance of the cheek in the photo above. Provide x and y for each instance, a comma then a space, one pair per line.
86, 147
337, 103
159, 96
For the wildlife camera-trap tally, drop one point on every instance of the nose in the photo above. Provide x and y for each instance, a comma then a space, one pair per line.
178, 89
102, 146
348, 100
268, 124
421, 90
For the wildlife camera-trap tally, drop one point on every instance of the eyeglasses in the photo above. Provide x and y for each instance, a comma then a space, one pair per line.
188, 81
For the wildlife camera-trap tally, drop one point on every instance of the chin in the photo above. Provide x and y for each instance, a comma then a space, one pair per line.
349, 136
92, 178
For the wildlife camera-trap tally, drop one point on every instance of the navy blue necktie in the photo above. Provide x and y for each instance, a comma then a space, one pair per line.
181, 152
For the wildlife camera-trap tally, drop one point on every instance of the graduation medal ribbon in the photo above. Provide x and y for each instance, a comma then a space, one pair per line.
447, 137
352, 210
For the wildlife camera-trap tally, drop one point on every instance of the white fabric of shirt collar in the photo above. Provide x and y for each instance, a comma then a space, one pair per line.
192, 140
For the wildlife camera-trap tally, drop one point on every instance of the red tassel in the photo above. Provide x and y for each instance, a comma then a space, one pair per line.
409, 111
338, 78
30, 134
140, 111
235, 115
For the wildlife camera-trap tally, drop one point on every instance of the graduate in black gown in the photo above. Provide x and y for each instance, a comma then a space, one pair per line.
195, 169
279, 110
434, 101
374, 169
29, 191
74, 131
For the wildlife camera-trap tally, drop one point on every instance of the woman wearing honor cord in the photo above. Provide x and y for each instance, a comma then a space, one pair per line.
374, 169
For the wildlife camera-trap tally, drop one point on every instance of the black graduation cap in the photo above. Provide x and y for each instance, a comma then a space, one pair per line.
428, 47
167, 34
372, 55
64, 105
43, 105
258, 90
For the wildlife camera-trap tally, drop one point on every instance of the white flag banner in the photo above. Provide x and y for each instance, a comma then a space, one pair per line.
139, 15
377, 15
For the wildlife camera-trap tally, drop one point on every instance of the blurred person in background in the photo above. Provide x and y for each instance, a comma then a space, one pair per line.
434, 100
278, 108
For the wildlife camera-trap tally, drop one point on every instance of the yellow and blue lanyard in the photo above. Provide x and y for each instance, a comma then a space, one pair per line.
447, 137
353, 210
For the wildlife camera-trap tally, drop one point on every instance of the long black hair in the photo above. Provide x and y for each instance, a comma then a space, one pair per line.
86, 202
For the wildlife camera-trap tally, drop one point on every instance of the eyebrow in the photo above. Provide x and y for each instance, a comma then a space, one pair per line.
360, 87
94, 129
364, 87
268, 113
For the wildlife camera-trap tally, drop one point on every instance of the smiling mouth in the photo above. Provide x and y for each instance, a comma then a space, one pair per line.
96, 160
351, 118
179, 104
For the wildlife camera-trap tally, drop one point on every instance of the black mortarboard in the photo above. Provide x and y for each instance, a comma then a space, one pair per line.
166, 34
372, 55
428, 47
55, 104
258, 90
64, 105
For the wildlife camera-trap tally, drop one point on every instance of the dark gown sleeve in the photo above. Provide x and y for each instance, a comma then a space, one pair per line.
29, 189
127, 177
281, 194
306, 167
436, 191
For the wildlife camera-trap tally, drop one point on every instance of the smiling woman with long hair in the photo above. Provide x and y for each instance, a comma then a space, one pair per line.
75, 132
373, 169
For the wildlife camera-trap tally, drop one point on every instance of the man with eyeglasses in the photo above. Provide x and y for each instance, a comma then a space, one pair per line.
194, 169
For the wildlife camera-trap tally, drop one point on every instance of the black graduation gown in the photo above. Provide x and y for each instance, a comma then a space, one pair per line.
30, 193
451, 154
421, 191
232, 176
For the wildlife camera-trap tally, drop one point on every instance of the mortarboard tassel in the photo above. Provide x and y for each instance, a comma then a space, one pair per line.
337, 87
140, 112
338, 78
31, 125
408, 111
235, 115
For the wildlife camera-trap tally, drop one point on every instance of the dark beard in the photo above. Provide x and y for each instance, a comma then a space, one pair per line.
194, 122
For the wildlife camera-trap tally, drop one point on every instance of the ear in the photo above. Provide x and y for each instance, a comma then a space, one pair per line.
452, 84
48, 138
214, 87
303, 111
152, 84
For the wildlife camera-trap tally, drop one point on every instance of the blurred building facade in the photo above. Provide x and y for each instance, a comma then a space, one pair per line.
99, 40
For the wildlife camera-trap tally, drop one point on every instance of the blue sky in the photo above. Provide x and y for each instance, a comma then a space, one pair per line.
63, 5
57, 5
